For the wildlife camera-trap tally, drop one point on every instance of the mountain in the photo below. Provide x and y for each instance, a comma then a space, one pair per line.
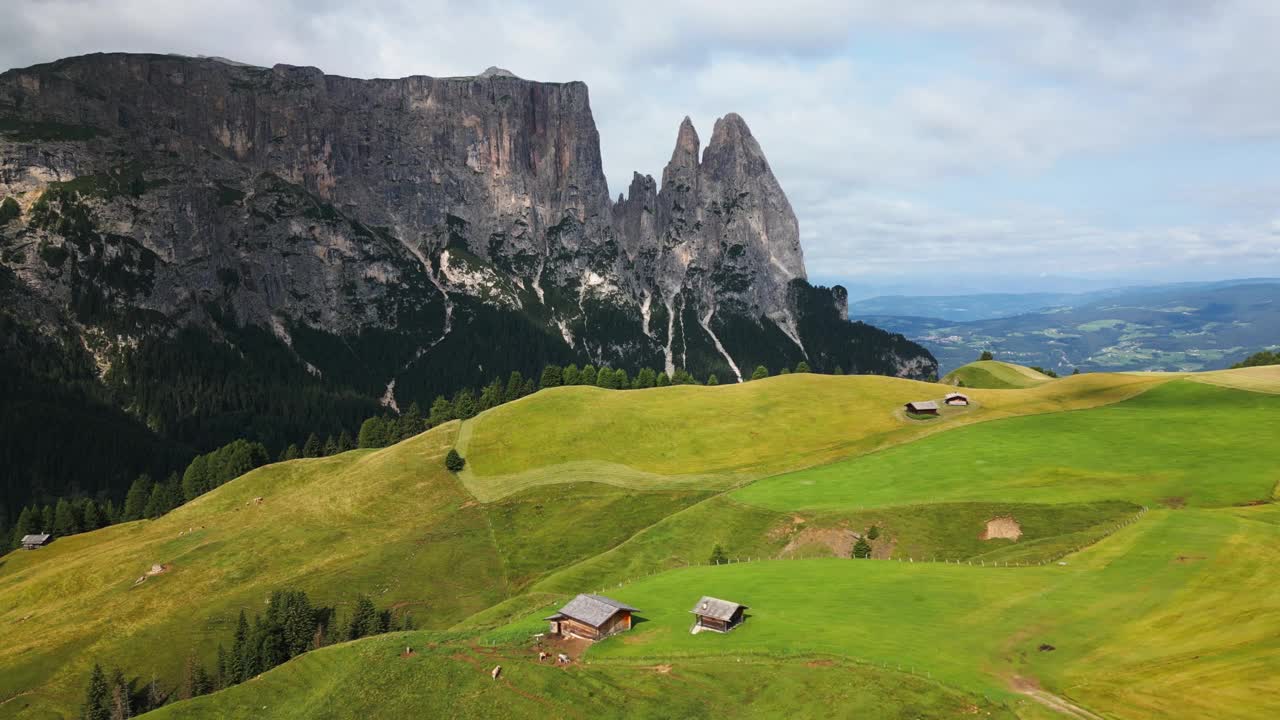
221, 250
1177, 327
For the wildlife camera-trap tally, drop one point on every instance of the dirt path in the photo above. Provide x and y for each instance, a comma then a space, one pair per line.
1032, 689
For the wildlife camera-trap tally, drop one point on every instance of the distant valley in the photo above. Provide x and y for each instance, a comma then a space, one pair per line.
1178, 327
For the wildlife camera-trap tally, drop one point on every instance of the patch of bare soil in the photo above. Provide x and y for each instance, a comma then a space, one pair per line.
662, 669
1190, 558
820, 663
1031, 688
574, 647
1174, 503
408, 653
1005, 528
882, 548
1253, 503
156, 569
839, 540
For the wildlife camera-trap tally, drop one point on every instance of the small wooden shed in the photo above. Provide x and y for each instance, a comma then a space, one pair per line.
591, 617
718, 615
956, 398
31, 542
922, 407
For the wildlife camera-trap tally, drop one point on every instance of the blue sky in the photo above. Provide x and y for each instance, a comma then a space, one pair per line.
998, 141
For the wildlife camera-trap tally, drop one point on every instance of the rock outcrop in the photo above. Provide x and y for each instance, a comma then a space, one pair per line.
399, 237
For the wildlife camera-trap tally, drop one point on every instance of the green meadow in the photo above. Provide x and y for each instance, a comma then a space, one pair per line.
1167, 613
1181, 443
995, 375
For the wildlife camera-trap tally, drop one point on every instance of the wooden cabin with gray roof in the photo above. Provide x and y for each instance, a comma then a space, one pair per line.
591, 617
718, 615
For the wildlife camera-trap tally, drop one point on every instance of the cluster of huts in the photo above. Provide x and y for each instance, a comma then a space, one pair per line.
592, 617
930, 407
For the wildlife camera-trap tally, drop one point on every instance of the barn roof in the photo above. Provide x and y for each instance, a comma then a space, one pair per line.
594, 610
716, 608
38, 538
951, 395
923, 405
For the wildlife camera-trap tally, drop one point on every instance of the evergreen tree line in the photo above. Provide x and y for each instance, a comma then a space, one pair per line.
1258, 359
146, 499
291, 625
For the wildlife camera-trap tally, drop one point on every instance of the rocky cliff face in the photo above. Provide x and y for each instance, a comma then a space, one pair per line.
398, 237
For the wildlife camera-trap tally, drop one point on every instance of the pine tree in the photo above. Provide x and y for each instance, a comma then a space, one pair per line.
551, 377
802, 367
587, 376
570, 375
529, 387
453, 461
620, 379
606, 379
97, 705
64, 519
873, 532
785, 371
410, 423
712, 379
92, 516
28, 524
663, 379
646, 378
515, 387
491, 396
155, 503
293, 452
238, 665
862, 549
986, 355
761, 373
195, 481
223, 670
344, 442
110, 515
121, 696
364, 619
838, 371
717, 555
464, 404
373, 433
46, 518
135, 502
330, 446
311, 448
441, 412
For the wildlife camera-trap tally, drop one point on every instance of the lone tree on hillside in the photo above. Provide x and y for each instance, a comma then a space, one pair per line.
862, 548
761, 373
986, 355
712, 379
454, 462
717, 555
874, 532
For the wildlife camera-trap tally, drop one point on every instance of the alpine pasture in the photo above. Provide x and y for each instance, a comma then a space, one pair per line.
1140, 585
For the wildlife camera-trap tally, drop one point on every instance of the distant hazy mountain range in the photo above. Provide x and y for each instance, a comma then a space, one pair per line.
1183, 326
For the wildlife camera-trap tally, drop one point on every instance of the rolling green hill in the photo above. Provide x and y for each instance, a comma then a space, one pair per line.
577, 489
996, 375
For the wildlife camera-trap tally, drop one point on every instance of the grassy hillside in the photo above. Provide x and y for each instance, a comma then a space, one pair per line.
995, 375
452, 680
579, 489
714, 437
1181, 443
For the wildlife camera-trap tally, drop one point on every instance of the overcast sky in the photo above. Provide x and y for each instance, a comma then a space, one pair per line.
987, 141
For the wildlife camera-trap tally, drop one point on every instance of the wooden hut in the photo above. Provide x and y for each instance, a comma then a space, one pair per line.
718, 615
922, 407
31, 542
956, 398
591, 617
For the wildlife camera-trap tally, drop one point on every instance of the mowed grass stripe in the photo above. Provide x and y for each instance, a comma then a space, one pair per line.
715, 437
1180, 443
